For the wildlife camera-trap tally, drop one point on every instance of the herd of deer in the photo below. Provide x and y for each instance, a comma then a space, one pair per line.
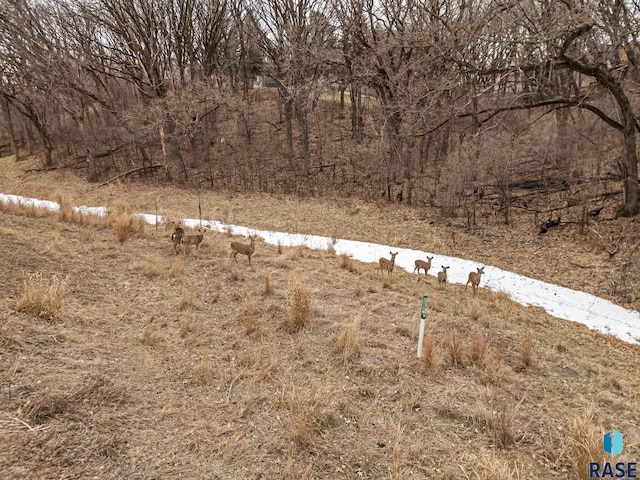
387, 265
179, 238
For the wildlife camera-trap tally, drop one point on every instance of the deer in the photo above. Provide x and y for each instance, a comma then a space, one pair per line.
386, 264
421, 264
442, 276
176, 236
243, 248
474, 279
193, 239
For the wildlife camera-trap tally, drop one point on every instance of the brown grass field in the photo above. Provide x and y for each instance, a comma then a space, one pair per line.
120, 359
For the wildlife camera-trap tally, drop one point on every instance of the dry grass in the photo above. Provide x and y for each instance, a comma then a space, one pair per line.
122, 225
189, 301
430, 358
305, 414
478, 347
454, 347
502, 425
268, 287
474, 310
152, 337
65, 213
299, 309
348, 341
43, 297
526, 351
249, 316
584, 444
274, 405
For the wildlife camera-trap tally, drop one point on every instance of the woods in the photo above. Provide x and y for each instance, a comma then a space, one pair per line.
471, 106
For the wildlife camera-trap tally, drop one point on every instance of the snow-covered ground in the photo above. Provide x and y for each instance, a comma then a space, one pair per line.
595, 312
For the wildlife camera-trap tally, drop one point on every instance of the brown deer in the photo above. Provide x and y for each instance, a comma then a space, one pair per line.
193, 239
442, 276
421, 264
176, 236
386, 264
474, 279
243, 248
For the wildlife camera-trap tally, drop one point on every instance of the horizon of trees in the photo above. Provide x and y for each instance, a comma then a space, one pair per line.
533, 103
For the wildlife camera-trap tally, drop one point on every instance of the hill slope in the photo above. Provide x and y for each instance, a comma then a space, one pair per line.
156, 365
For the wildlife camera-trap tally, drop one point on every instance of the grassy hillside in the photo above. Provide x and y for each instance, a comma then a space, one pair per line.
125, 360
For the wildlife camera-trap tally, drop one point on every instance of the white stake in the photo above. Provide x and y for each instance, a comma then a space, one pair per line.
423, 316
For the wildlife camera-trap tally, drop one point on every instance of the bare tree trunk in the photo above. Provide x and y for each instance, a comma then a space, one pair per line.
356, 113
92, 175
12, 134
288, 114
304, 134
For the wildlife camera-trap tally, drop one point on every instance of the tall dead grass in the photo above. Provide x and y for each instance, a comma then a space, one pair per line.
430, 360
299, 309
65, 213
348, 342
583, 442
454, 347
42, 296
249, 315
305, 414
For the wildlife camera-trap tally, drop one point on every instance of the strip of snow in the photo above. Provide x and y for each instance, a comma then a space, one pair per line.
581, 307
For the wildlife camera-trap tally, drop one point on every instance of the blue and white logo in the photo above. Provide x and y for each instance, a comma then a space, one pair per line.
613, 442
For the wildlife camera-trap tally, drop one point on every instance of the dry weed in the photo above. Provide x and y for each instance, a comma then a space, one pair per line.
584, 444
299, 309
430, 360
122, 227
502, 425
187, 327
205, 373
268, 288
65, 212
249, 315
526, 351
188, 301
177, 268
478, 347
42, 297
151, 337
139, 226
348, 344
493, 468
153, 268
494, 370
454, 346
304, 418
474, 310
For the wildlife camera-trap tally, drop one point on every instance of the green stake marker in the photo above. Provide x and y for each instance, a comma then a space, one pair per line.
423, 316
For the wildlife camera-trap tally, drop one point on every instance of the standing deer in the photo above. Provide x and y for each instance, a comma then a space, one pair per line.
243, 249
386, 264
421, 264
442, 276
193, 239
176, 236
474, 279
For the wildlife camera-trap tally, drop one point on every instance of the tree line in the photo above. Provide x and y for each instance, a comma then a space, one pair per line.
530, 103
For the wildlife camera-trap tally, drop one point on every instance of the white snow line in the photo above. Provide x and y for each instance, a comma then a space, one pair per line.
565, 303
